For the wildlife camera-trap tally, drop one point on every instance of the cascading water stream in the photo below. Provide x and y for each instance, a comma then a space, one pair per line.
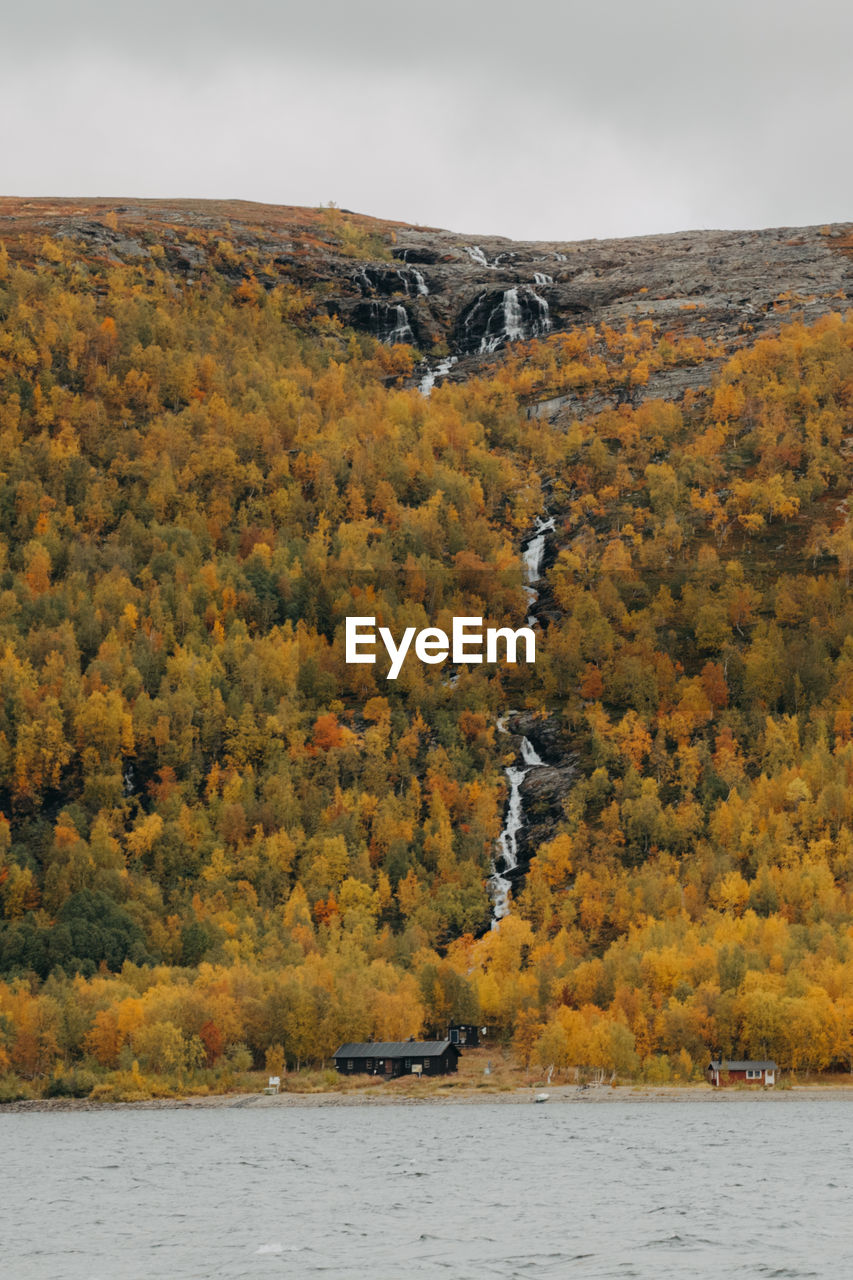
508, 839
475, 253
532, 558
401, 331
437, 371
506, 854
517, 316
383, 281
513, 326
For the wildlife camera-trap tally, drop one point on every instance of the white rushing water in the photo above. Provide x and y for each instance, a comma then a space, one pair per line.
506, 321
435, 372
540, 278
402, 330
513, 324
506, 858
533, 552
514, 821
532, 556
475, 253
543, 323
411, 280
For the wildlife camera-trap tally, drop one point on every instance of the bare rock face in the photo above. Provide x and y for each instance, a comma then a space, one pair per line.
544, 787
388, 321
726, 286
543, 792
549, 738
497, 316
384, 282
418, 254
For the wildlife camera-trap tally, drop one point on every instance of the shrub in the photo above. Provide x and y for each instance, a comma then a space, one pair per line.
657, 1069
77, 1083
238, 1057
14, 1090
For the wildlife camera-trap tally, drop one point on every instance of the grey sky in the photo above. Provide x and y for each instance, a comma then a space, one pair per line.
546, 119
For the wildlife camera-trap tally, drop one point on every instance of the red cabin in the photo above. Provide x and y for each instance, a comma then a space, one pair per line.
723, 1071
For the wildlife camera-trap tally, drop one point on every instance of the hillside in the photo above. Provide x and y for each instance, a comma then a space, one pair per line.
224, 428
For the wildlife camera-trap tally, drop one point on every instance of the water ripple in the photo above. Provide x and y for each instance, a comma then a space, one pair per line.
472, 1192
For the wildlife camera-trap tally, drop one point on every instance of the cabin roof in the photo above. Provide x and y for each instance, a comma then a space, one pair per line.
395, 1049
727, 1064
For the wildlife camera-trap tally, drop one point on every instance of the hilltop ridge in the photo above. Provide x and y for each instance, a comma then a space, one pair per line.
727, 287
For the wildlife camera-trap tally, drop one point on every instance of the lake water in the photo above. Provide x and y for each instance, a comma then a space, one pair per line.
756, 1187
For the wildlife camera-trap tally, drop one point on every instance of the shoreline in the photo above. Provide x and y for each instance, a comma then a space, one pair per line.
558, 1095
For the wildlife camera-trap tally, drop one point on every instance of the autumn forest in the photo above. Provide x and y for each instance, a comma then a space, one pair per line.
224, 848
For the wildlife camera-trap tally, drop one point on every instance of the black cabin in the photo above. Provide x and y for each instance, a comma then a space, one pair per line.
390, 1058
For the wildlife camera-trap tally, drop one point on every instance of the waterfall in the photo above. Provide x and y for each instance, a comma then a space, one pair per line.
540, 278
506, 857
475, 253
561, 257
513, 327
412, 276
401, 331
362, 279
372, 280
543, 323
532, 559
510, 327
491, 341
437, 371
532, 554
519, 314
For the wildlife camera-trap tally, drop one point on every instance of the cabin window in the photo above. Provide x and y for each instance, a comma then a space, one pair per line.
753, 1075
369, 1064
350, 1064
408, 1062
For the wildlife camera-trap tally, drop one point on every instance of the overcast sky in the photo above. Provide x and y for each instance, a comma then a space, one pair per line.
547, 119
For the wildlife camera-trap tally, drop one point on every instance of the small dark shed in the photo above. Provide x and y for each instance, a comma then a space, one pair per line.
465, 1034
723, 1071
391, 1058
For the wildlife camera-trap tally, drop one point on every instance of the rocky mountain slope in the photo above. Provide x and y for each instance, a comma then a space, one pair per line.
466, 296
463, 299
